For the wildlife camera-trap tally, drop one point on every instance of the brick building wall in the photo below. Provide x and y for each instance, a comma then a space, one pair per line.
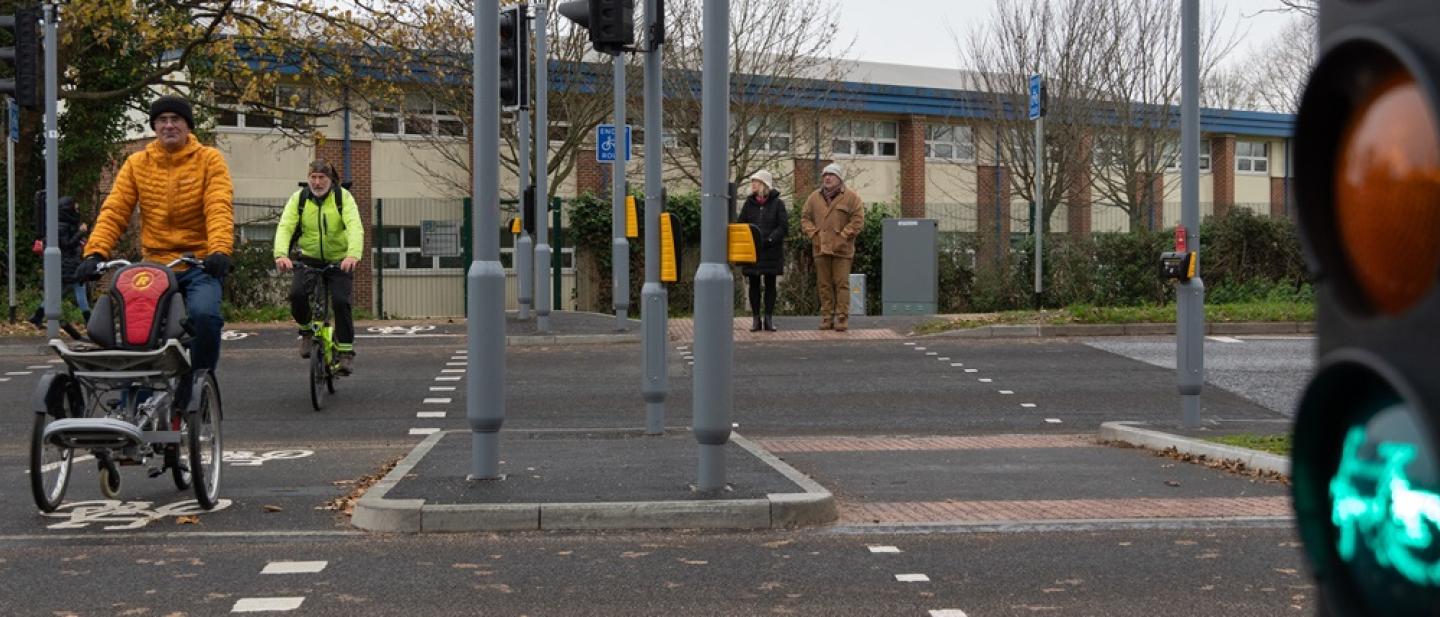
361, 187
993, 213
1278, 197
912, 167
1223, 172
1079, 218
807, 172
590, 175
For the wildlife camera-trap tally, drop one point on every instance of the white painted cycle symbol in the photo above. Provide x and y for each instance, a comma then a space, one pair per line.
247, 458
116, 515
400, 330
233, 335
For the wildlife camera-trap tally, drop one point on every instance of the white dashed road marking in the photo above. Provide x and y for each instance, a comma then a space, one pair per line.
956, 364
943, 359
912, 578
972, 370
16, 373
985, 380
447, 379
294, 567
442, 388
39, 367
430, 414
1027, 405
452, 370
1224, 339
424, 431
948, 612
437, 401
1007, 391
884, 549
455, 364
265, 605
1053, 420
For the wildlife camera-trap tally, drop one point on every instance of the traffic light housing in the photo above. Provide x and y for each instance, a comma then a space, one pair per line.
514, 57
24, 55
1366, 475
611, 22
527, 205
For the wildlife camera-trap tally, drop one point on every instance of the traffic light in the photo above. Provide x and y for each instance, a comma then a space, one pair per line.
611, 22
24, 55
1366, 475
514, 57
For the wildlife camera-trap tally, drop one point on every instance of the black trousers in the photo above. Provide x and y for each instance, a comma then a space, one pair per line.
342, 285
754, 282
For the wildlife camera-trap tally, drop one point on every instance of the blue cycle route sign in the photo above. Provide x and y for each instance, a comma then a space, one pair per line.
13, 120
605, 145
1037, 104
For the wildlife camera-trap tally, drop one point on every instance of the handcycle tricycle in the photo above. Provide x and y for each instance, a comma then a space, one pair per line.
131, 395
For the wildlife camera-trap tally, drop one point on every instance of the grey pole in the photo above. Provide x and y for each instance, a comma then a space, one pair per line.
524, 267
52, 179
1039, 213
654, 298
619, 246
714, 286
485, 323
542, 169
10, 207
1190, 347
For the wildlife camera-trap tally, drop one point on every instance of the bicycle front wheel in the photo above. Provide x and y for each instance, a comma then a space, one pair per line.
317, 376
206, 448
49, 467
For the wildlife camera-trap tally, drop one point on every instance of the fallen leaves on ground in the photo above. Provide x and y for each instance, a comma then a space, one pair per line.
187, 520
274, 509
345, 504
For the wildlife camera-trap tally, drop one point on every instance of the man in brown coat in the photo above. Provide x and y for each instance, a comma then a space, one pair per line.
832, 220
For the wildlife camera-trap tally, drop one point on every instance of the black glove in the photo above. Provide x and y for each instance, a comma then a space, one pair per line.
217, 265
89, 269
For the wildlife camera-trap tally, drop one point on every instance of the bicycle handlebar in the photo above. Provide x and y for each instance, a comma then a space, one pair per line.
188, 259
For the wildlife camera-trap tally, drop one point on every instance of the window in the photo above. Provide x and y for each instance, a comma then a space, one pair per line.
400, 250
676, 137
299, 99
866, 138
1172, 156
422, 117
1252, 156
768, 134
950, 143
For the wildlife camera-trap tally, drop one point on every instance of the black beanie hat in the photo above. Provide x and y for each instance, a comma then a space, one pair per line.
173, 104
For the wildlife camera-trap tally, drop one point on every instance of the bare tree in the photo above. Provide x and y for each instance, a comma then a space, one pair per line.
1289, 56
1138, 99
1112, 69
422, 74
781, 53
1056, 39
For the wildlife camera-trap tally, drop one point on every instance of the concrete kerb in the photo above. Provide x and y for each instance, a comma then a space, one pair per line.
375, 512
1128, 432
572, 339
1134, 329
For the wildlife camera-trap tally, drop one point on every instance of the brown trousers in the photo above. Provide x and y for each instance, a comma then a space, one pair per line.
832, 275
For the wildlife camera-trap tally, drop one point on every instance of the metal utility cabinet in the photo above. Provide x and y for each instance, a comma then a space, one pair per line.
910, 279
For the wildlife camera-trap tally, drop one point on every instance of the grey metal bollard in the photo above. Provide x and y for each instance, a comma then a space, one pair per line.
857, 294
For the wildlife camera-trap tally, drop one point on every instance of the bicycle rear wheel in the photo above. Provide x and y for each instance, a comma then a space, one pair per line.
317, 376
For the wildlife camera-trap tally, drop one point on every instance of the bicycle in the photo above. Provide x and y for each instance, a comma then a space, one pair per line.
324, 351
131, 396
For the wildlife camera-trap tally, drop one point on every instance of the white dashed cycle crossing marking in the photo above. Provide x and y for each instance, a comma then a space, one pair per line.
1027, 405
294, 567
948, 612
430, 414
442, 388
424, 431
884, 549
267, 605
443, 378
912, 578
437, 401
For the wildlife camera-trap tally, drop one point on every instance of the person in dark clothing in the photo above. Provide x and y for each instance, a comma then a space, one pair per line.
71, 234
766, 211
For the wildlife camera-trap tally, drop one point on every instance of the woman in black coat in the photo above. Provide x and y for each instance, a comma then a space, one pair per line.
766, 211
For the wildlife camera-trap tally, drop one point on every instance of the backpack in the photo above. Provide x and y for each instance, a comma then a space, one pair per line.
306, 197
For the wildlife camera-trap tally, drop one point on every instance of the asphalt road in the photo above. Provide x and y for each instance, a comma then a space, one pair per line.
287, 462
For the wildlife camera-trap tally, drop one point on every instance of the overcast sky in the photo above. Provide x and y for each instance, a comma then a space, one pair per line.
923, 32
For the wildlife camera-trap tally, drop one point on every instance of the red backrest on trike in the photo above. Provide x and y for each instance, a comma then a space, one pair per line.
142, 310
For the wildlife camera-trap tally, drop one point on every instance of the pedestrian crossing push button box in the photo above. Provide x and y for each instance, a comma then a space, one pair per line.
1177, 266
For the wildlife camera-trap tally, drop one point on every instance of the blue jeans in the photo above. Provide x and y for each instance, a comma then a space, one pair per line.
82, 298
202, 302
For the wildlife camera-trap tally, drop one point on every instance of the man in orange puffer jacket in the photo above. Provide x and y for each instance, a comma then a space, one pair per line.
186, 204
